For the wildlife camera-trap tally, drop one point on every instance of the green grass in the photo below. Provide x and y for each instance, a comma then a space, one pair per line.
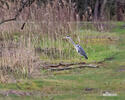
118, 28
71, 85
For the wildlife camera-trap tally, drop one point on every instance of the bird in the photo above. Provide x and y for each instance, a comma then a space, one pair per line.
78, 48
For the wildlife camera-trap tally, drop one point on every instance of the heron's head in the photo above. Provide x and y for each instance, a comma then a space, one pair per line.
67, 37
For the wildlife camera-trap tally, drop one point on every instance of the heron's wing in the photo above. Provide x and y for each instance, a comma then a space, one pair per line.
82, 52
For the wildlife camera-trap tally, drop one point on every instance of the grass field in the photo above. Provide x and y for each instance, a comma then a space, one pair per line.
78, 84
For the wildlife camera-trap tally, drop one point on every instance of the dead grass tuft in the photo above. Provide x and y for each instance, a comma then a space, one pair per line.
18, 59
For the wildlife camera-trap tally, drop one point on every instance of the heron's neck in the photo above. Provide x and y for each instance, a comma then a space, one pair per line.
72, 41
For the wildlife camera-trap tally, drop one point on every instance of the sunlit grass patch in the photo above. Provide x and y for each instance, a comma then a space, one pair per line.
94, 43
119, 28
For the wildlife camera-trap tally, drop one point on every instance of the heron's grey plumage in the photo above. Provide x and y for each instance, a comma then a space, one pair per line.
81, 51
78, 48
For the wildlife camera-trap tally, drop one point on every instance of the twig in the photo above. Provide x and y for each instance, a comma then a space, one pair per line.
23, 26
108, 58
4, 21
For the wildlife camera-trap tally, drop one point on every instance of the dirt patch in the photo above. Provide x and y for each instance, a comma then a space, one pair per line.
91, 90
14, 92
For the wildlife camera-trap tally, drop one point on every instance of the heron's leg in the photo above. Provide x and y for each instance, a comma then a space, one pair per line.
80, 59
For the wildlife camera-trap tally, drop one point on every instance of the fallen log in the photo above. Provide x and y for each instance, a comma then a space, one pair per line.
69, 68
62, 65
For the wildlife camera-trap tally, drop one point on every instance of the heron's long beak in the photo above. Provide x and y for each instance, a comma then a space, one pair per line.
64, 38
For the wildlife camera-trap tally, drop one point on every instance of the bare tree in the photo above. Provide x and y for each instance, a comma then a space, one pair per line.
102, 9
96, 10
120, 10
99, 9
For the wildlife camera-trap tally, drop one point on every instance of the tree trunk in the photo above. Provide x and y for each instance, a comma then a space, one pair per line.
102, 9
96, 10
120, 11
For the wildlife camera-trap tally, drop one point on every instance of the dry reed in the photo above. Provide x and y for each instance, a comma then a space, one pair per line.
18, 59
49, 22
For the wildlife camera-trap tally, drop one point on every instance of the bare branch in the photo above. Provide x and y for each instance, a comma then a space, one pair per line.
4, 3
23, 5
4, 21
23, 26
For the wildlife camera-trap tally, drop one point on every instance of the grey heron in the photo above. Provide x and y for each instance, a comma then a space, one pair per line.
78, 48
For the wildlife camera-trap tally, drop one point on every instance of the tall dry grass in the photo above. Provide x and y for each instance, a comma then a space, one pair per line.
53, 18
17, 59
44, 29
